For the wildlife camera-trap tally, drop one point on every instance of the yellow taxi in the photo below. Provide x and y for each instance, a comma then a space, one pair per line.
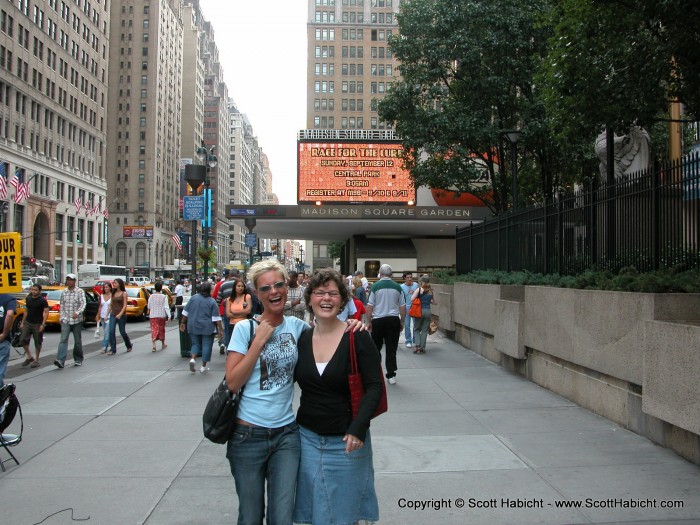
53, 298
136, 301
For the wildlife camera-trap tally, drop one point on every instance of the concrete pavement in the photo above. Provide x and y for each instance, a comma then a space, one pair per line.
119, 441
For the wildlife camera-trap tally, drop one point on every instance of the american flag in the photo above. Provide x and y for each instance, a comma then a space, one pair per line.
3, 182
105, 213
15, 180
22, 192
78, 204
178, 243
97, 207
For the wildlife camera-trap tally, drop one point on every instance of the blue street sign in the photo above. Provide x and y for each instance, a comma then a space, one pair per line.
193, 207
251, 240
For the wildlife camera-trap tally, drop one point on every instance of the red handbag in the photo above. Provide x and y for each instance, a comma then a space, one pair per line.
357, 387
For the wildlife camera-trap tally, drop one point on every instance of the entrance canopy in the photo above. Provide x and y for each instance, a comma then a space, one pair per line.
340, 222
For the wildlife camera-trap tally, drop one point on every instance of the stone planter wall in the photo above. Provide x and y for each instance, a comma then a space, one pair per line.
633, 358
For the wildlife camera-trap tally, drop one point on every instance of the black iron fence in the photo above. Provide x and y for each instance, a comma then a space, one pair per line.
649, 220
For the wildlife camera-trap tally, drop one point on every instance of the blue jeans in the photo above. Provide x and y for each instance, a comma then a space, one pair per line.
228, 331
257, 454
201, 344
407, 331
104, 323
4, 359
113, 323
77, 331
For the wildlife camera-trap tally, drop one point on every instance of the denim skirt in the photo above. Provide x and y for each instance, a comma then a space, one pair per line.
333, 487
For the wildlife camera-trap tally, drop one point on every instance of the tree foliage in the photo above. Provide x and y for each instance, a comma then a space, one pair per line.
560, 70
466, 70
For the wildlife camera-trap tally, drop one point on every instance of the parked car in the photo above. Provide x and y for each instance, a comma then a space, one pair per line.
53, 297
137, 300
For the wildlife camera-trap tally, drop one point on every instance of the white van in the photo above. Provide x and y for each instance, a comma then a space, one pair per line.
139, 281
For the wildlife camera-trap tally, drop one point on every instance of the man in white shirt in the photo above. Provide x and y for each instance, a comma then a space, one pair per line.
179, 294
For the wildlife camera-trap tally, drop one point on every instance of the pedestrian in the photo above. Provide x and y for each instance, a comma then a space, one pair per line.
265, 444
386, 309
358, 289
222, 291
200, 315
33, 324
237, 307
179, 295
118, 317
8, 308
72, 307
295, 304
103, 313
336, 475
158, 314
422, 323
408, 287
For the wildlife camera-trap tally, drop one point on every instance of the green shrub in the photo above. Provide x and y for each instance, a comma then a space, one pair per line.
628, 279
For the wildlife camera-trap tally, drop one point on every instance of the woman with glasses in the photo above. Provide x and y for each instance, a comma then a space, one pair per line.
336, 474
265, 443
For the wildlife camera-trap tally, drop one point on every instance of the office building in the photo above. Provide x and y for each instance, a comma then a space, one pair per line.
53, 128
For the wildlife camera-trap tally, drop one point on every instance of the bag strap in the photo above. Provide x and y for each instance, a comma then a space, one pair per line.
353, 354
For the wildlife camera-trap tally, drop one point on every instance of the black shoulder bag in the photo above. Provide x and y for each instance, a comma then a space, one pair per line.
219, 418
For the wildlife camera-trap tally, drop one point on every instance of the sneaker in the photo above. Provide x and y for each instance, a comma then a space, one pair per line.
408, 345
392, 380
203, 369
193, 364
222, 349
35, 364
78, 363
58, 363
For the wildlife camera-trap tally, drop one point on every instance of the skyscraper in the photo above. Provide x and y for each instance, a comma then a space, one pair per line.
350, 65
143, 132
53, 95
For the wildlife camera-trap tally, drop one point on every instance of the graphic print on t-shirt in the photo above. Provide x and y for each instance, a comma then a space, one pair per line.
277, 362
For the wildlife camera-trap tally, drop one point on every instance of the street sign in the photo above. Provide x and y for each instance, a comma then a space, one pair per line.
237, 212
193, 207
251, 240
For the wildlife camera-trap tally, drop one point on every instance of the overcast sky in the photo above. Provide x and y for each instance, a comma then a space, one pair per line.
262, 47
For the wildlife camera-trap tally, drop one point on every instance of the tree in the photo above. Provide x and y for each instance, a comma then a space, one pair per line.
619, 63
466, 76
335, 249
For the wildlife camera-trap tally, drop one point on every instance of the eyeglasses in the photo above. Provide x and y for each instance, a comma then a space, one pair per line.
266, 287
321, 293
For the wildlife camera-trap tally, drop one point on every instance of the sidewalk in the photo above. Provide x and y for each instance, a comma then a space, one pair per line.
119, 441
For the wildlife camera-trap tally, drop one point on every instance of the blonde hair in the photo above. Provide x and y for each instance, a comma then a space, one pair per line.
268, 265
356, 282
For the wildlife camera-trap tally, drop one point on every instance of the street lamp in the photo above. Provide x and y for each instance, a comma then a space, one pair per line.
301, 259
195, 175
210, 161
150, 245
513, 135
